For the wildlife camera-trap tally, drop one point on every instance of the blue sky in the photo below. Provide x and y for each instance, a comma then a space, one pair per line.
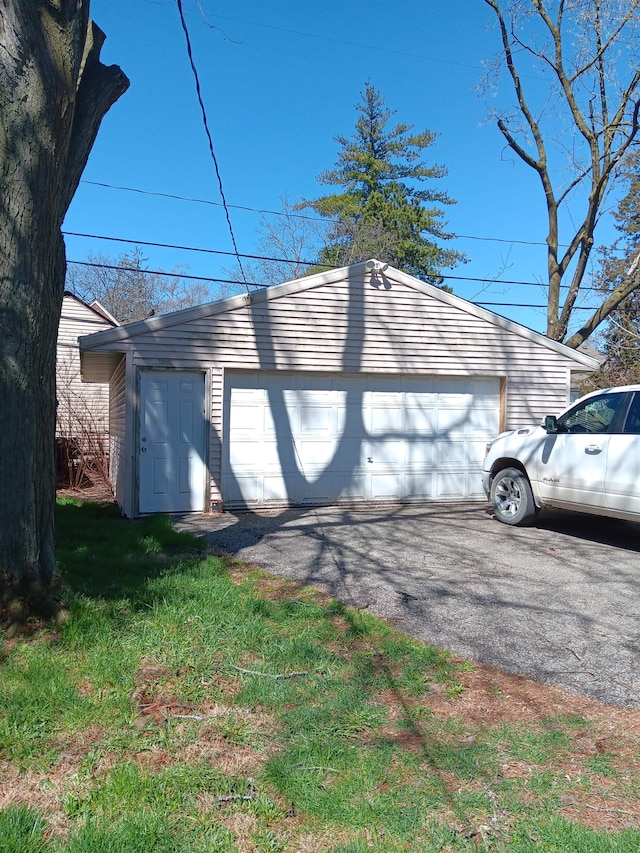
279, 81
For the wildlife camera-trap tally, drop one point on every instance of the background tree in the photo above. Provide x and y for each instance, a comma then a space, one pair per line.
384, 209
288, 243
620, 338
574, 67
127, 288
54, 92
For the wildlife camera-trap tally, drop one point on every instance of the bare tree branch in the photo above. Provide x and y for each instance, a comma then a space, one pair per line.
581, 49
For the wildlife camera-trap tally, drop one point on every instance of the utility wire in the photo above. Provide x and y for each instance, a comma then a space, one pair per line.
203, 201
291, 214
119, 268
158, 245
193, 249
208, 132
263, 285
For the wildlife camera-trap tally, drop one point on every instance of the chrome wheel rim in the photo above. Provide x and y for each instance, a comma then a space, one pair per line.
508, 497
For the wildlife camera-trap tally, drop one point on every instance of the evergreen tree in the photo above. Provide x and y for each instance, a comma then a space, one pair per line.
383, 209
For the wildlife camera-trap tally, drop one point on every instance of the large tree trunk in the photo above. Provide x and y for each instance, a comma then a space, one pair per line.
54, 93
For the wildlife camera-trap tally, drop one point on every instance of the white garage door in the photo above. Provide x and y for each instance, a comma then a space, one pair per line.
308, 438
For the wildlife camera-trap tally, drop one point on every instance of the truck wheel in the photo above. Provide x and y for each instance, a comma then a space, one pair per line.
512, 498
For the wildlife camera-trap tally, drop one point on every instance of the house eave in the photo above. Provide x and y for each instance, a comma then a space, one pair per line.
98, 366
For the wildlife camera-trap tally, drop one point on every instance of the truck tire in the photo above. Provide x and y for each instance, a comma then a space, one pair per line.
512, 498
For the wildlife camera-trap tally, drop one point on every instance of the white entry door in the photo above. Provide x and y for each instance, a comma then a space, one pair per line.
171, 441
312, 438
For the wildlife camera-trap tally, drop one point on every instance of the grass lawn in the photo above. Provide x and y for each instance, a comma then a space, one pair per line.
191, 702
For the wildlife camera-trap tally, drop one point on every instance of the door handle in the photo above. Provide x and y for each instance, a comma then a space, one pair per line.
593, 448
143, 450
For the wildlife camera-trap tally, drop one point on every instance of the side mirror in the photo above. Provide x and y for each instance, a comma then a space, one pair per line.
551, 423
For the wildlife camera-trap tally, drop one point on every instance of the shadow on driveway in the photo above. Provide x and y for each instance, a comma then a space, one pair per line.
557, 602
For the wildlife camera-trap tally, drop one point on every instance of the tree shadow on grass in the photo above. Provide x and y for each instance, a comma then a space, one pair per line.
100, 554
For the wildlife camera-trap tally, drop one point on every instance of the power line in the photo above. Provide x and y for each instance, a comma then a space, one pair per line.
292, 215
208, 132
178, 247
205, 201
263, 285
191, 249
164, 273
360, 45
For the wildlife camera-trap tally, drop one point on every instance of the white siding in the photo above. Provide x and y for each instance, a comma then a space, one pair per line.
117, 430
80, 405
357, 324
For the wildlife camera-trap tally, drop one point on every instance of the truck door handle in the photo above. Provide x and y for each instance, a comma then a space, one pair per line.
593, 448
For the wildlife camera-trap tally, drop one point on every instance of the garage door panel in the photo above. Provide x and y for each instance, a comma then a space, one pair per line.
487, 390
451, 485
354, 424
389, 451
427, 400
420, 420
254, 455
250, 379
419, 385
451, 388
355, 437
313, 382
420, 454
350, 385
419, 486
323, 488
476, 451
274, 488
316, 453
318, 419
355, 489
480, 419
246, 419
386, 420
386, 487
242, 490
452, 422
474, 488
381, 385
451, 453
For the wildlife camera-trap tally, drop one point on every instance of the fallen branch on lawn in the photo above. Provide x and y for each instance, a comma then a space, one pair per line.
269, 674
230, 798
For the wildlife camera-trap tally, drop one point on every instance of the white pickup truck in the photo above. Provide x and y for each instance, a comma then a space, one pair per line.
587, 459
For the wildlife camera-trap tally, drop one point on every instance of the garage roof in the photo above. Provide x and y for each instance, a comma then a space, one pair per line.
98, 366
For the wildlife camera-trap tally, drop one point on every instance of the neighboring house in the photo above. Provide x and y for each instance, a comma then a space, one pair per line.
361, 384
581, 376
82, 413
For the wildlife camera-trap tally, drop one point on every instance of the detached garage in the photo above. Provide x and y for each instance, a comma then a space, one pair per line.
358, 385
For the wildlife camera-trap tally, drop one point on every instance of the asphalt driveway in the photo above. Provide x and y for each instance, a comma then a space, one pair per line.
558, 601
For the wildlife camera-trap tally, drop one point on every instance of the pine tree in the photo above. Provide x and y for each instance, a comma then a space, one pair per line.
383, 209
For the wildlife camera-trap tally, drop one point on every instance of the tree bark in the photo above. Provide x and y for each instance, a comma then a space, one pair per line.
54, 93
